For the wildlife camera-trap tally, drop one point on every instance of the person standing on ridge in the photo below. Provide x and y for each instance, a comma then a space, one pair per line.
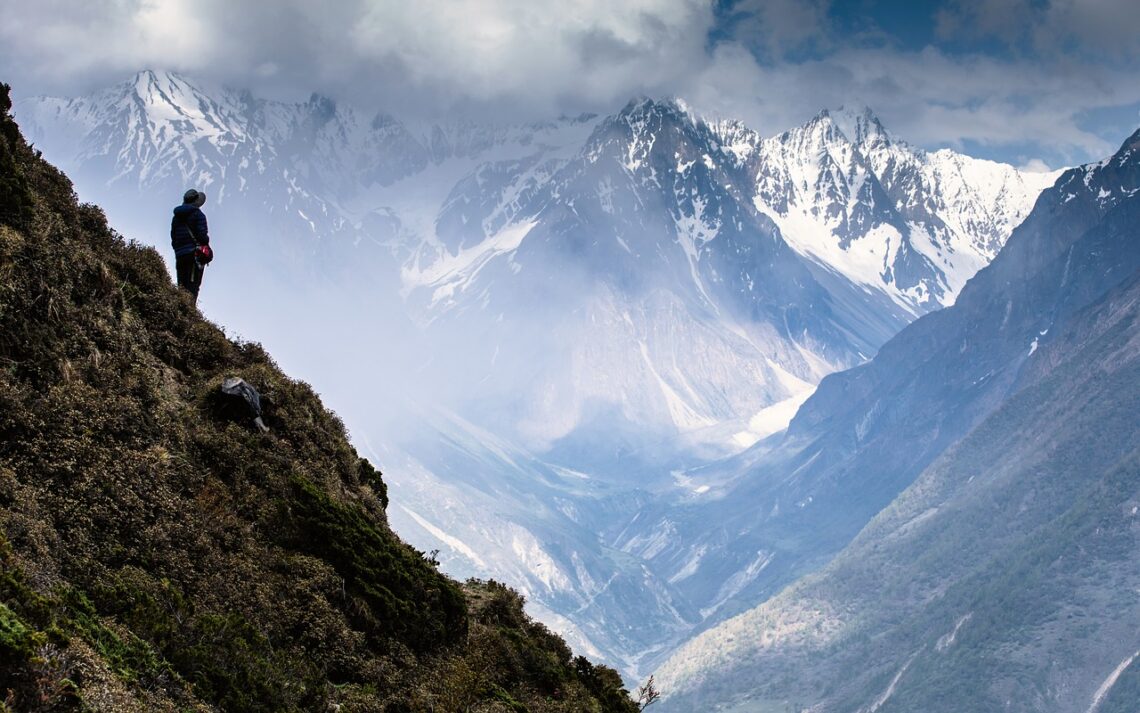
190, 238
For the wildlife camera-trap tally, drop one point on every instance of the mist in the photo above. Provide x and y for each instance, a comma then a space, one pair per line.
541, 332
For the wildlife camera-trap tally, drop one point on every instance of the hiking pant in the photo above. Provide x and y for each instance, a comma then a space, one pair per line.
189, 274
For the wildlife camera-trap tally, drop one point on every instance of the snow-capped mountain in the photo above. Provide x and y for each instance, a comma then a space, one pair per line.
914, 224
301, 171
654, 192
696, 311
800, 253
610, 300
986, 464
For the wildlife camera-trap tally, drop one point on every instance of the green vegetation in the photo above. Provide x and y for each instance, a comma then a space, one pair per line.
161, 554
393, 581
1045, 562
1034, 542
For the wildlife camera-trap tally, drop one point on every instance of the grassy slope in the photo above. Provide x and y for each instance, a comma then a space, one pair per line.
157, 553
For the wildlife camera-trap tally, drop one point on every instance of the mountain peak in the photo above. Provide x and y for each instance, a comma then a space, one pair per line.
323, 107
644, 107
640, 121
651, 197
861, 127
149, 80
165, 91
326, 504
821, 127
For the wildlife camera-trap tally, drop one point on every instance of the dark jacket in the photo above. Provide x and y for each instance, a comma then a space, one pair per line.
188, 229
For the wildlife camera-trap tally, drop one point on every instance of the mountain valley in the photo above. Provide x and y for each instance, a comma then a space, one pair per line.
614, 319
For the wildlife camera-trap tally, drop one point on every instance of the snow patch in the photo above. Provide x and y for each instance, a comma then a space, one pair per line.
540, 565
691, 565
1109, 682
773, 419
452, 542
653, 543
452, 273
693, 231
737, 582
894, 683
684, 416
947, 640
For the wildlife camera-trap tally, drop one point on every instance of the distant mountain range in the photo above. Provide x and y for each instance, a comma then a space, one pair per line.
777, 260
606, 302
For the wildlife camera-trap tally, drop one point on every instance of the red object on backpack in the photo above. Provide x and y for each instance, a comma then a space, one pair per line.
203, 254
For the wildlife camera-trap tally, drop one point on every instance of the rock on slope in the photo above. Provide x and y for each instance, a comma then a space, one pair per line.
157, 553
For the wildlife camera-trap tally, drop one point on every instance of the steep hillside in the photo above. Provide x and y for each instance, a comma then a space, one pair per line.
157, 552
1004, 576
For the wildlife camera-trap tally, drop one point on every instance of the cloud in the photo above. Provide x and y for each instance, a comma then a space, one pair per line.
55, 39
929, 97
1005, 20
1089, 28
775, 29
1099, 27
774, 63
550, 52
1035, 165
434, 53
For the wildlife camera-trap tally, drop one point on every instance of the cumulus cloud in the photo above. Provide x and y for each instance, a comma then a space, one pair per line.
433, 53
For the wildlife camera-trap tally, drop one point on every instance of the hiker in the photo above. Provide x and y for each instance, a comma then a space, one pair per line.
190, 238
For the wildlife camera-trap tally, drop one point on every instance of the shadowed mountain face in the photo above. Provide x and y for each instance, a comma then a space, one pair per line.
539, 328
997, 442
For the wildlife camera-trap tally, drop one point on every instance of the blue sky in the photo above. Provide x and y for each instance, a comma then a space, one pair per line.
1032, 82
